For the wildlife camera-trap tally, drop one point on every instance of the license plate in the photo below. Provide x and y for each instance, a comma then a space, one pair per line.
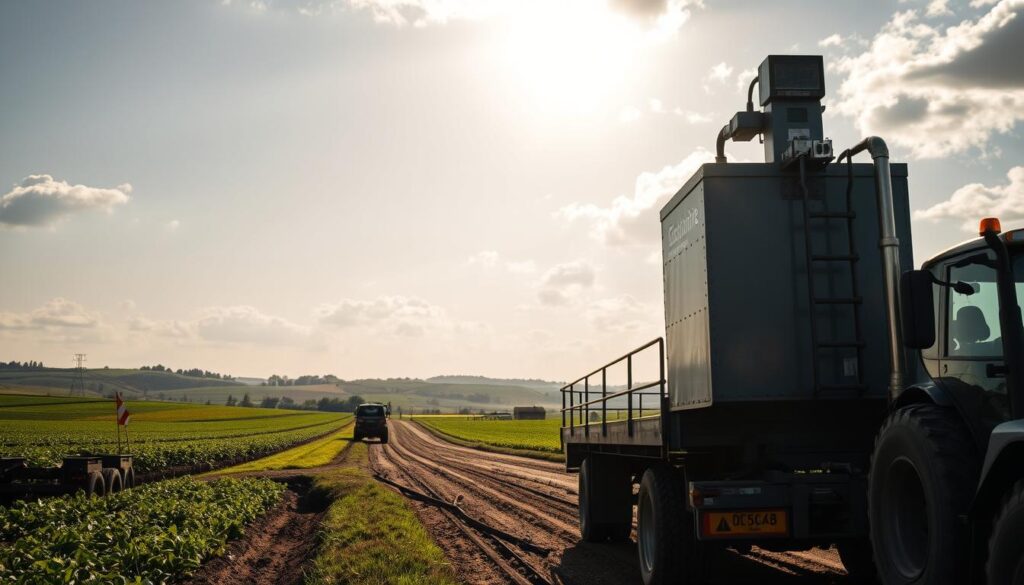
745, 523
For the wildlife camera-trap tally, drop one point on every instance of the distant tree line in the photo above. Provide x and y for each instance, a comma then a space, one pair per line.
31, 365
324, 404
192, 373
307, 380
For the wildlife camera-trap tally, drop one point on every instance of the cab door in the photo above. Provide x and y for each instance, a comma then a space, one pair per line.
972, 369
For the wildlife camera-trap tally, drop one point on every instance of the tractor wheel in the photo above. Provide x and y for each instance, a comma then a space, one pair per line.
112, 480
1006, 545
357, 437
922, 478
605, 500
666, 542
128, 481
857, 559
94, 485
384, 439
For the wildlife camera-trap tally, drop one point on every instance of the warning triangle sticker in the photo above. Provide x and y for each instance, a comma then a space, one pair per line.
723, 526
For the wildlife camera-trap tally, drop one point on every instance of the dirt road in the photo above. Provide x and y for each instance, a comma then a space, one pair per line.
536, 501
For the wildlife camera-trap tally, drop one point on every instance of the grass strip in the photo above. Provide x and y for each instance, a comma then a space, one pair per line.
522, 452
370, 535
312, 454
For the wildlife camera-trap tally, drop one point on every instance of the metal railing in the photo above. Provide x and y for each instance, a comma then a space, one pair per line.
581, 409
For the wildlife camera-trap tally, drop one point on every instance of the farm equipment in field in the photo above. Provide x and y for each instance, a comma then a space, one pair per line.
96, 475
809, 392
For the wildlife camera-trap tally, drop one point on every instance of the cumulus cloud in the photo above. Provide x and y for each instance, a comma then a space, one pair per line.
972, 202
621, 314
720, 72
833, 40
246, 324
939, 91
41, 200
563, 282
58, 313
397, 315
633, 219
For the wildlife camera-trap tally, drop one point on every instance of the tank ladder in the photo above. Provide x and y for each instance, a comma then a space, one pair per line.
850, 259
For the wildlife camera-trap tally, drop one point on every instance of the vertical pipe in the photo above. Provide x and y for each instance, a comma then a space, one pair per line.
563, 407
572, 413
586, 407
604, 401
629, 395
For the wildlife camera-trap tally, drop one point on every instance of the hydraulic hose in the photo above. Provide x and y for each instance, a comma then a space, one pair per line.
890, 249
723, 135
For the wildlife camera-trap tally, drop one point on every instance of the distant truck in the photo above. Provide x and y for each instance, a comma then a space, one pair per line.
371, 421
815, 394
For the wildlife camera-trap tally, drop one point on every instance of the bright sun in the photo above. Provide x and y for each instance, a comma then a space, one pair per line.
574, 56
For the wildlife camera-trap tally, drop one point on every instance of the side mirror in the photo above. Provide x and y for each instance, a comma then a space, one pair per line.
918, 306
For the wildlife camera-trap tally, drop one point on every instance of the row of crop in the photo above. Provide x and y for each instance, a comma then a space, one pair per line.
536, 435
151, 534
154, 455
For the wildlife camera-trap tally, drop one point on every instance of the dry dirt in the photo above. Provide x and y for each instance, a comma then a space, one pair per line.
536, 500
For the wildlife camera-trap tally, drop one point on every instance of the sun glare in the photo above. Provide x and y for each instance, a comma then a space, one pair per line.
573, 56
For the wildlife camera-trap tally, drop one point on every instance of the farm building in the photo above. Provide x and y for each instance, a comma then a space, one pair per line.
528, 413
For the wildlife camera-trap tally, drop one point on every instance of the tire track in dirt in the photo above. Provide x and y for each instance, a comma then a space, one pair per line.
535, 500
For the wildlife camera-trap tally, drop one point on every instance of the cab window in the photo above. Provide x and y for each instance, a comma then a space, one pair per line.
974, 319
370, 411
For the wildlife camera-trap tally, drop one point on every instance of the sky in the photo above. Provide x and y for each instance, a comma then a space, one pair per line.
421, 187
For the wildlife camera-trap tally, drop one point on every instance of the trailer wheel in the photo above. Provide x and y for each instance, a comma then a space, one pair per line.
605, 499
922, 478
111, 480
128, 482
384, 438
94, 485
1006, 545
666, 542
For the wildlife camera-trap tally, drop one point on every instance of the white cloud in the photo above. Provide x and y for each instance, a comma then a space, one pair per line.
58, 313
621, 314
656, 106
246, 324
975, 201
396, 315
485, 258
720, 72
833, 40
629, 114
939, 91
561, 284
634, 219
40, 200
938, 8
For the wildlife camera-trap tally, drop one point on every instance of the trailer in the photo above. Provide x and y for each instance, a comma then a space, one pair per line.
808, 392
95, 475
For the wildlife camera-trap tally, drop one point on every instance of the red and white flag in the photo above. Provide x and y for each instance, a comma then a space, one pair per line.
122, 411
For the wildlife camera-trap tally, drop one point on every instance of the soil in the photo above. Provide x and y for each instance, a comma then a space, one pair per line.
274, 549
536, 500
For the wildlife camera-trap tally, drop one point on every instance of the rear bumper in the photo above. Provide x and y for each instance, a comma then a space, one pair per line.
818, 507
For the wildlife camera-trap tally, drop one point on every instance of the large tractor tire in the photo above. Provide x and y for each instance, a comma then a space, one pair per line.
1006, 545
666, 541
112, 480
605, 499
94, 485
923, 474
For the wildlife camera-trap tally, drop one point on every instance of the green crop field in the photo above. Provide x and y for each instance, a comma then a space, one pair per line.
162, 434
155, 533
534, 435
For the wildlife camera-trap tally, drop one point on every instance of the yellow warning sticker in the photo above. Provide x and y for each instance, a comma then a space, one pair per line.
744, 523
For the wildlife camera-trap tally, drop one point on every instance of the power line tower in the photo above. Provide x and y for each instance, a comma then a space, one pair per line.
78, 381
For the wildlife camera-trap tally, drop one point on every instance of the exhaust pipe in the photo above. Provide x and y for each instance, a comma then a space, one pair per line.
890, 247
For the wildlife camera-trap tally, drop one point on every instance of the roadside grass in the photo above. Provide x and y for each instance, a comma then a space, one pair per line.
369, 534
538, 439
313, 454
